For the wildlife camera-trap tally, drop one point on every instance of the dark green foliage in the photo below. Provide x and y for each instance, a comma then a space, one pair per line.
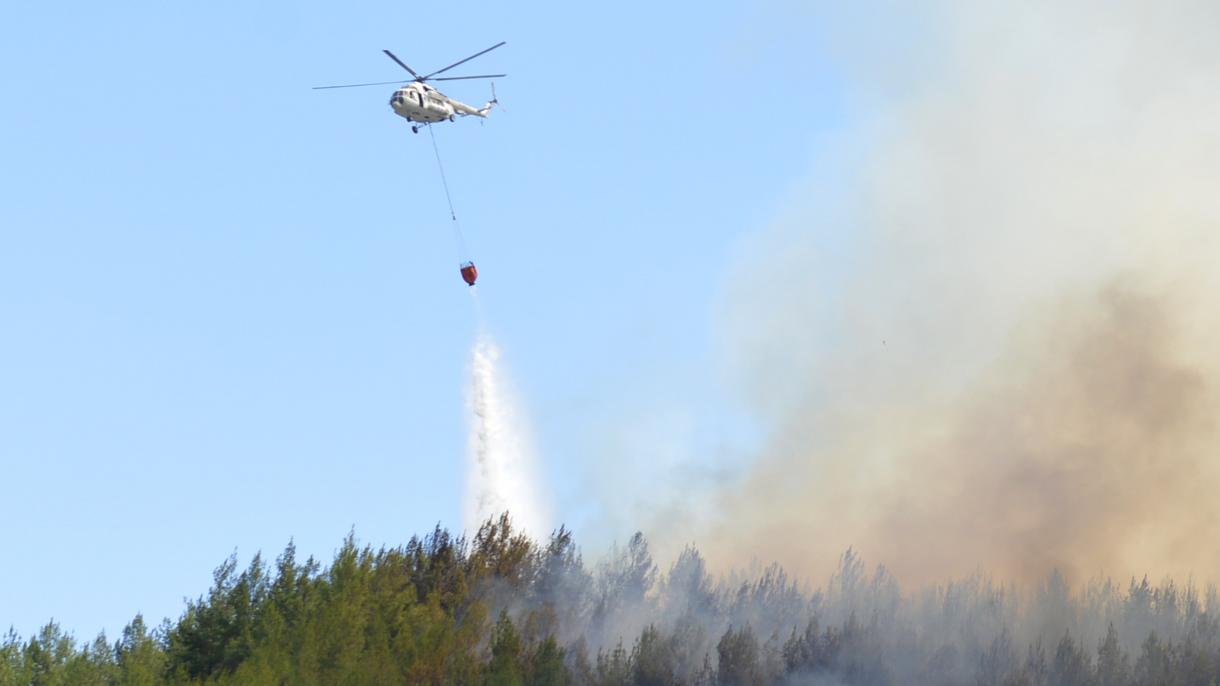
51, 658
653, 661
739, 663
215, 636
613, 668
505, 666
547, 666
141, 662
501, 609
1070, 666
1111, 661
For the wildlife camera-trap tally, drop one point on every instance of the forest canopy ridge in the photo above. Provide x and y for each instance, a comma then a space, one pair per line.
501, 608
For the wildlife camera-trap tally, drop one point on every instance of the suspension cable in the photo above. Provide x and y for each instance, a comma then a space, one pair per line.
457, 227
440, 166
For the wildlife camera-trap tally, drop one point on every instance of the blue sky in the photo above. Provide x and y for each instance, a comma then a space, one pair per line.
231, 308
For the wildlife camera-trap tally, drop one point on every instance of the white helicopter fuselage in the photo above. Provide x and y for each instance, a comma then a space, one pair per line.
419, 102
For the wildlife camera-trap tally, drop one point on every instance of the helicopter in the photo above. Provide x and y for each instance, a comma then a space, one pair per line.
420, 103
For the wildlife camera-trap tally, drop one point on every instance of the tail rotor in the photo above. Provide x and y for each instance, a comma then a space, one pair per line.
490, 104
494, 99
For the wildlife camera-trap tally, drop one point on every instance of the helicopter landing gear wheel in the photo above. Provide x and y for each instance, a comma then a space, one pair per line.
452, 118
414, 129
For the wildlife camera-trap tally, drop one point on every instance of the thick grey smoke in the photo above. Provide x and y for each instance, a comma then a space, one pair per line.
626, 621
998, 346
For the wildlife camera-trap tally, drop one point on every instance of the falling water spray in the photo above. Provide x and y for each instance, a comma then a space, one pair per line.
502, 473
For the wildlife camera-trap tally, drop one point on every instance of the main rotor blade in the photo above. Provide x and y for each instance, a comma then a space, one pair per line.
438, 71
402, 64
459, 78
357, 85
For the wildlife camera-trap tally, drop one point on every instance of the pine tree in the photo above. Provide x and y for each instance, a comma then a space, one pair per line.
505, 666
739, 663
613, 668
141, 661
547, 666
652, 660
1070, 666
1111, 661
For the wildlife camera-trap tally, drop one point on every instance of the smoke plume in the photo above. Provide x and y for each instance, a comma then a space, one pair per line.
997, 344
502, 475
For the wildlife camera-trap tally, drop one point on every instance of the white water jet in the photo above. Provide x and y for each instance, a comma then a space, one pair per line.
502, 472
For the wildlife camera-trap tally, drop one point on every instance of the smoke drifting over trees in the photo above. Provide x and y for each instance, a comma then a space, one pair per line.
501, 608
995, 344
997, 357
